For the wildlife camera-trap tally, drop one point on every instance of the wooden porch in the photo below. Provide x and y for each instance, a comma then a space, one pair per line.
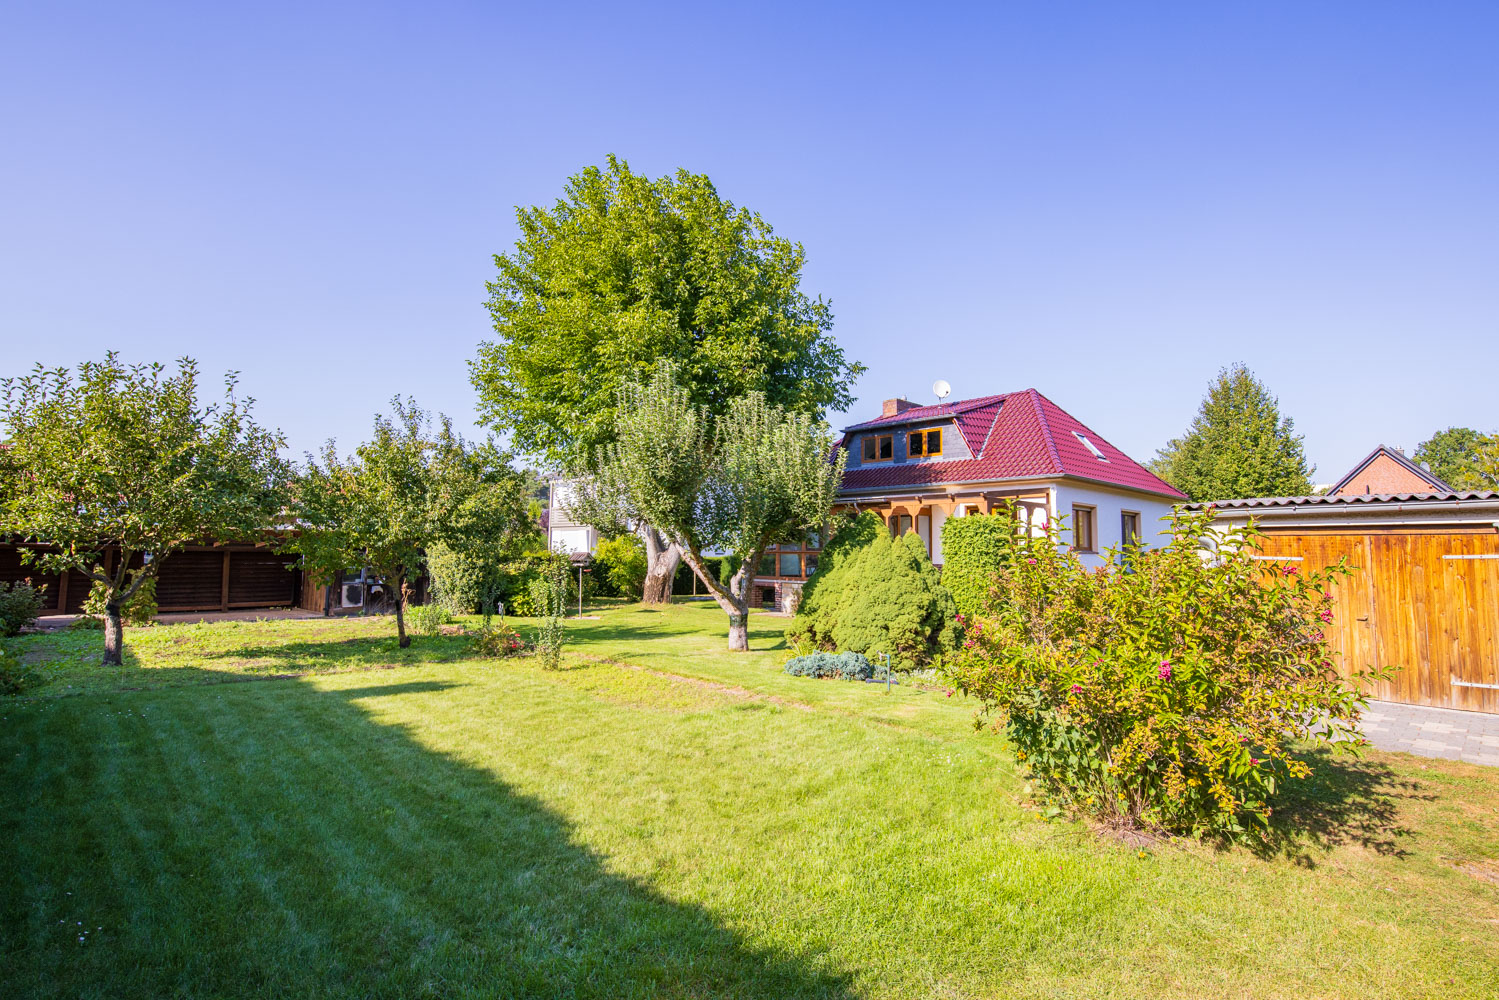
926, 513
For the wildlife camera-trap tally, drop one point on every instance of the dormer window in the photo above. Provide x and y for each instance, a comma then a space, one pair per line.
924, 444
1092, 448
878, 447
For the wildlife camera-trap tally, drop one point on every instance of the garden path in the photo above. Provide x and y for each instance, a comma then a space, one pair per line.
1433, 732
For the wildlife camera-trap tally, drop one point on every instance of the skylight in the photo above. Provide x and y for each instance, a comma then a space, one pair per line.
1089, 445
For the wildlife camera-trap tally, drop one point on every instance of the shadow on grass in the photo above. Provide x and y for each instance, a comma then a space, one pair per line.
644, 624
1345, 801
360, 651
284, 841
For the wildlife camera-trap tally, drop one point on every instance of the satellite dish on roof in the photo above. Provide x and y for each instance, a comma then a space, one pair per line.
942, 389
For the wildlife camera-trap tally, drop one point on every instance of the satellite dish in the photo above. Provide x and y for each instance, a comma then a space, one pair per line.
941, 388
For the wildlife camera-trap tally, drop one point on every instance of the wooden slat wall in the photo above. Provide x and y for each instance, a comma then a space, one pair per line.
190, 581
1408, 605
260, 579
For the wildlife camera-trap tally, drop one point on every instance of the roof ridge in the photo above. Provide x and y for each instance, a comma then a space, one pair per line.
1051, 444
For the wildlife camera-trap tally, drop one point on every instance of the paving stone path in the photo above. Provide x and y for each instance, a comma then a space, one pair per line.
1434, 732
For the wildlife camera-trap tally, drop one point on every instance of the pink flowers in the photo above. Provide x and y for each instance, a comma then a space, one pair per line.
1077, 689
1165, 671
1326, 615
1288, 571
949, 692
1031, 561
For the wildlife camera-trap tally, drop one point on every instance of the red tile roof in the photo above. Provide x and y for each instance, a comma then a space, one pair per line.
1018, 435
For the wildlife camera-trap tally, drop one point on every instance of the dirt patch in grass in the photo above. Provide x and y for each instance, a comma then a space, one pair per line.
1486, 870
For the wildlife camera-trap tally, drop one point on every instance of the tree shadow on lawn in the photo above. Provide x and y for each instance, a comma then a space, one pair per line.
1346, 801
646, 625
301, 846
330, 654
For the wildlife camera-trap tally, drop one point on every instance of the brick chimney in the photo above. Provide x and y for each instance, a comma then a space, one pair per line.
894, 406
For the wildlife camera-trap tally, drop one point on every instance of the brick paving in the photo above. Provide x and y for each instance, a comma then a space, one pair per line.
1433, 732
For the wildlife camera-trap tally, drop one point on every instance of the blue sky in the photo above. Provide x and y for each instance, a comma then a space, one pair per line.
1107, 202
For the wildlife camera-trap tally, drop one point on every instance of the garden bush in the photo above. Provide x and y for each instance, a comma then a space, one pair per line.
972, 548
1170, 696
620, 566
848, 666
497, 640
875, 594
20, 606
427, 619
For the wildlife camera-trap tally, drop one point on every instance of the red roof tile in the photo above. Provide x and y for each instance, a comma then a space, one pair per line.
1018, 435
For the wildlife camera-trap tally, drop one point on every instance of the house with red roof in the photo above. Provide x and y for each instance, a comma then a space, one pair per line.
919, 466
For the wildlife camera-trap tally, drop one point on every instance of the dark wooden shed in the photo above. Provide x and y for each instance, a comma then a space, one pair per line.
222, 577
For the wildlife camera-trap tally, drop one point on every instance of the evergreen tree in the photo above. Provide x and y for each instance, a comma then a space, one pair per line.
1239, 445
1461, 457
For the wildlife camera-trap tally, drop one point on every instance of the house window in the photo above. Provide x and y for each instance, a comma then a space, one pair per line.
879, 447
791, 564
814, 539
767, 565
767, 597
1082, 528
900, 524
1129, 527
924, 444
810, 564
971, 510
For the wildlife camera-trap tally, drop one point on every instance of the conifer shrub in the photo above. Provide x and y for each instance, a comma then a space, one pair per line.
874, 594
1170, 695
848, 666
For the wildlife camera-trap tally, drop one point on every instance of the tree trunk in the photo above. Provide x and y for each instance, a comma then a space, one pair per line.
734, 600
114, 635
662, 559
739, 631
328, 596
404, 640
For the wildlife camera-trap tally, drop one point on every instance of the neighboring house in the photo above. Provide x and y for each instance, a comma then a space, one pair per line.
917, 466
562, 531
1387, 471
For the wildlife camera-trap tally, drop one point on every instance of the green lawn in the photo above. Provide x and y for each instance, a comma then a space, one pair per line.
676, 821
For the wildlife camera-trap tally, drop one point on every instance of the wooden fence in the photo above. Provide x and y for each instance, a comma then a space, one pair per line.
1425, 601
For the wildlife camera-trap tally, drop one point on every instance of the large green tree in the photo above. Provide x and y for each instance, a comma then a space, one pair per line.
757, 474
625, 272
1239, 445
116, 467
1463, 458
409, 488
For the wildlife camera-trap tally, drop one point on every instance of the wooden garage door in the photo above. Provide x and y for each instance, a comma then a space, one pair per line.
1425, 602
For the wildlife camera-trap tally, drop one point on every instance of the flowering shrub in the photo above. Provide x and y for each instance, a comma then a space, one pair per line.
1169, 693
849, 666
498, 640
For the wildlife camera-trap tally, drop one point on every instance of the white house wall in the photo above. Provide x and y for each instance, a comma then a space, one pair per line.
1155, 516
